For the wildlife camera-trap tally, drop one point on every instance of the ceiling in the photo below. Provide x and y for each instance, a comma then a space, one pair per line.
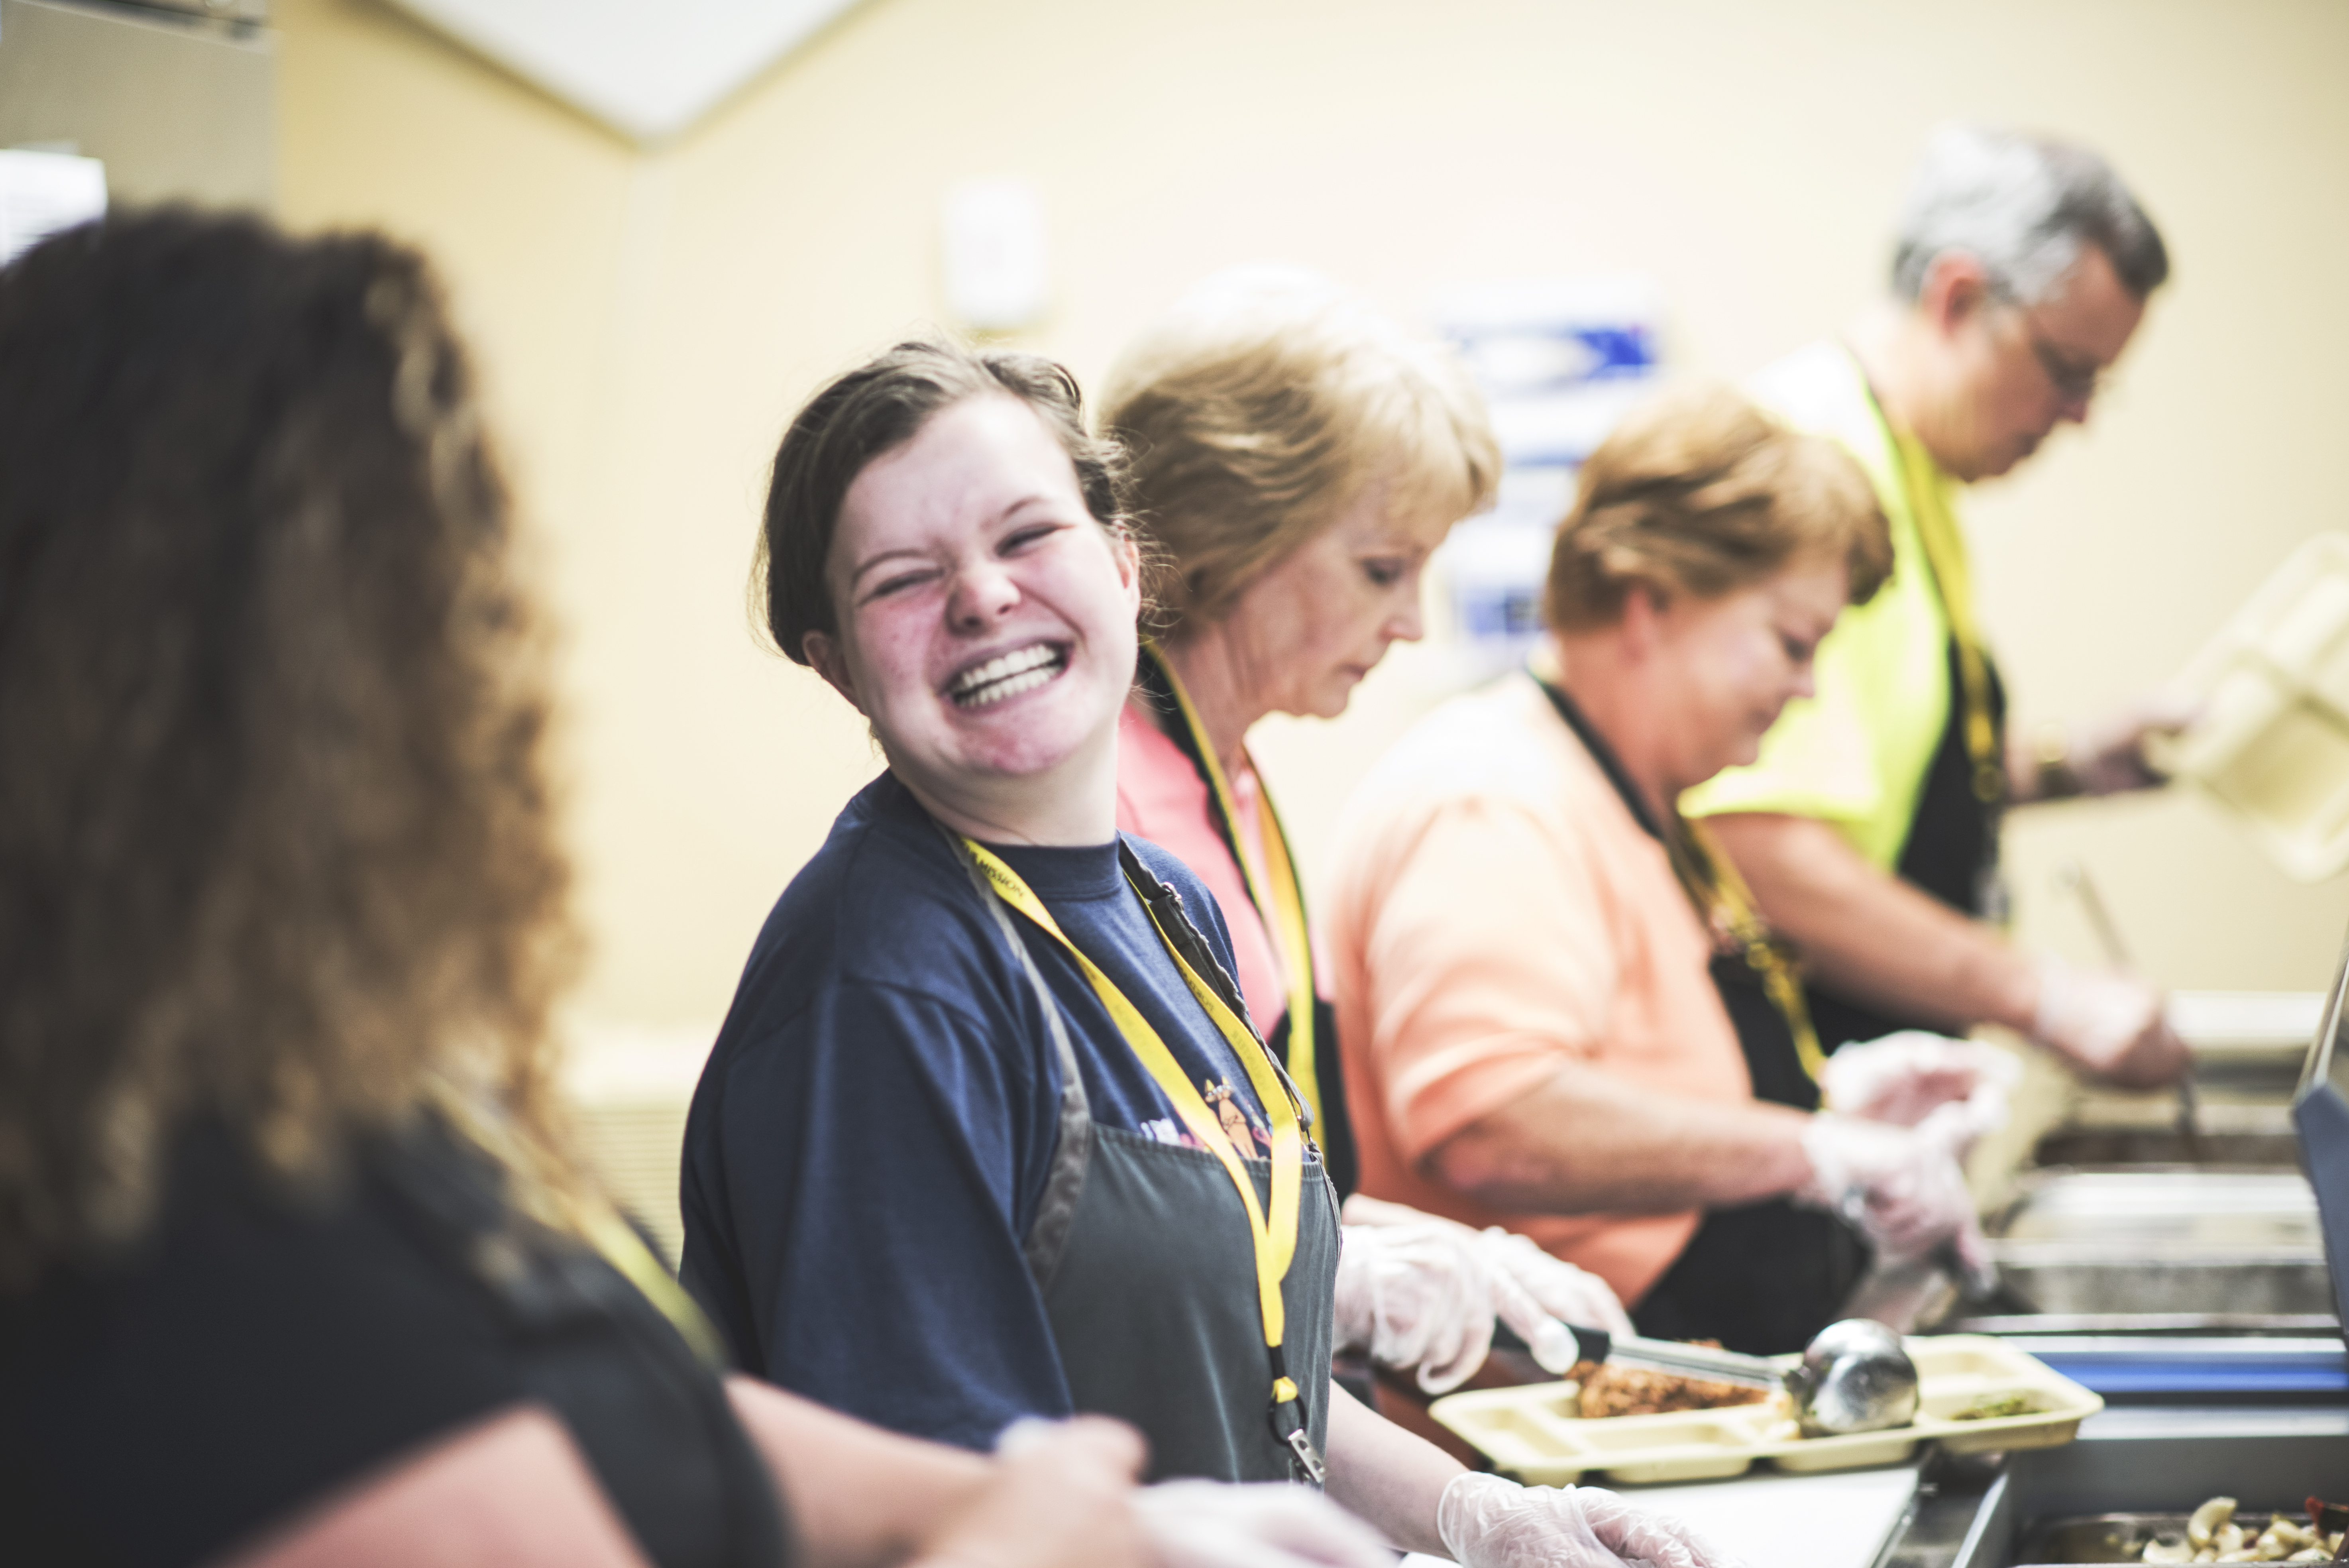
650, 71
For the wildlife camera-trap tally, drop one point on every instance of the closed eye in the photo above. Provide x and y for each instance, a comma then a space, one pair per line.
898, 582
1385, 571
1027, 536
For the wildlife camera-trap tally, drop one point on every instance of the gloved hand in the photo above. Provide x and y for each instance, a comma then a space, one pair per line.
1488, 1522
1416, 1295
1272, 1524
2104, 753
1418, 1290
1901, 1186
1913, 1078
2111, 1023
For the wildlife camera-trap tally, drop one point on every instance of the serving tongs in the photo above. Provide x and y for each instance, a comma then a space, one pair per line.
1854, 1378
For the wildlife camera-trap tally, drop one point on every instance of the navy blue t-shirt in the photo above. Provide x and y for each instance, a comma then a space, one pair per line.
873, 1133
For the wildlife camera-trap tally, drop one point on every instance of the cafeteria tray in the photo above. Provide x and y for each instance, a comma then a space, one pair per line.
2272, 740
1536, 1434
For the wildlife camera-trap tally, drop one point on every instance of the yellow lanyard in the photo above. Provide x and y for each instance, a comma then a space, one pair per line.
1284, 908
1712, 883
1275, 1240
1945, 553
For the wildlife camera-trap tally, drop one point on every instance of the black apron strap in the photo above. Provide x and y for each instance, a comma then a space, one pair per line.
1951, 854
1765, 1277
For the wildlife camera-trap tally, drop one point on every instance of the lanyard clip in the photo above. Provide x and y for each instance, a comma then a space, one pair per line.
1304, 1459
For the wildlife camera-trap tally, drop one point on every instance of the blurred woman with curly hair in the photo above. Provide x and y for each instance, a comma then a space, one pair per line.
295, 1266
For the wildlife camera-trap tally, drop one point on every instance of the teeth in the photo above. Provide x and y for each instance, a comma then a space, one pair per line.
1007, 675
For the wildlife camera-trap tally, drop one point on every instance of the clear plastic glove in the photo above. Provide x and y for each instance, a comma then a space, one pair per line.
1488, 1522
1908, 1078
2111, 1023
1062, 1496
1205, 1524
1901, 1186
1418, 1290
1416, 1295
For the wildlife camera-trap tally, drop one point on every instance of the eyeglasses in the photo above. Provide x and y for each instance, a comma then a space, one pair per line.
2074, 379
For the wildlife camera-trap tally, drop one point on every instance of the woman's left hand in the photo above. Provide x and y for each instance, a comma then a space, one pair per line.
1488, 1522
1269, 1524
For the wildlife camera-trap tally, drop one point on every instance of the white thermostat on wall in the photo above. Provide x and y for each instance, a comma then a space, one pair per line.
995, 273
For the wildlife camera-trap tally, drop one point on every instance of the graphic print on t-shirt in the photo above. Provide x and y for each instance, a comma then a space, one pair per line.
1247, 1135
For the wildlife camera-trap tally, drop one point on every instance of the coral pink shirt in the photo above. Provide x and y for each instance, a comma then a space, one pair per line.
1496, 912
1162, 797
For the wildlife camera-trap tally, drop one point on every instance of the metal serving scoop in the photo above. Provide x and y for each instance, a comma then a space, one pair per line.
1852, 1377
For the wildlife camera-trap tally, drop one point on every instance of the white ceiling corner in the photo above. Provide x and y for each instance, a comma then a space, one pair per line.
647, 69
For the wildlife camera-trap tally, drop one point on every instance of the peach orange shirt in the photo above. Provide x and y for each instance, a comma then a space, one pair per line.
1496, 912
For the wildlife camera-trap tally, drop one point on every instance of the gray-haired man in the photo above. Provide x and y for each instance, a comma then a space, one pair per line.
1869, 828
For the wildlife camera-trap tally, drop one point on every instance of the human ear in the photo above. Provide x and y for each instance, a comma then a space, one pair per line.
1644, 605
1129, 568
1955, 289
823, 653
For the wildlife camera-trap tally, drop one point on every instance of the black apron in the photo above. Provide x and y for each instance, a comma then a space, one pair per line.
1951, 855
653, 1421
1762, 1278
1141, 1253
1335, 1131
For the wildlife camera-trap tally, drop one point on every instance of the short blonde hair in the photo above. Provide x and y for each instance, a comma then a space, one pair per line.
1264, 404
1700, 491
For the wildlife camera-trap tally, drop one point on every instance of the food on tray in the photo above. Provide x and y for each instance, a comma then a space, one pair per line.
1612, 1390
1998, 1406
2213, 1534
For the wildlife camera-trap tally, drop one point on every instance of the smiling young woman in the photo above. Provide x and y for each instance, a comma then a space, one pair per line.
986, 1134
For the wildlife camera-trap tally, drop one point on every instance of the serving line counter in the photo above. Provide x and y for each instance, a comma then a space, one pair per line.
2147, 1258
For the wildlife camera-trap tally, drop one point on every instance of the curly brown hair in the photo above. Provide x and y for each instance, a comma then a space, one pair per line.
276, 844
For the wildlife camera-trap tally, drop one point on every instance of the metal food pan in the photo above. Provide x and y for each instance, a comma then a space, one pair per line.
2074, 1281
2159, 1461
2101, 1538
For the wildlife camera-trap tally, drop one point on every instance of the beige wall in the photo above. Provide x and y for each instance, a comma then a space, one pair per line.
648, 321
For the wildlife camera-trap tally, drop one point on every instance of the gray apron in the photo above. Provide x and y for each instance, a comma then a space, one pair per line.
1142, 1252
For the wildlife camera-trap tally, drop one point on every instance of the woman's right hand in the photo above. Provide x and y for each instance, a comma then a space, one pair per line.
1063, 1497
1488, 1522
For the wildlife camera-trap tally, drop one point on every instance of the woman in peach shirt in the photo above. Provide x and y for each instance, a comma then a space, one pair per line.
1523, 927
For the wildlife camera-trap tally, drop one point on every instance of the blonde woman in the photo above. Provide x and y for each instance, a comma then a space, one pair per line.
1296, 458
